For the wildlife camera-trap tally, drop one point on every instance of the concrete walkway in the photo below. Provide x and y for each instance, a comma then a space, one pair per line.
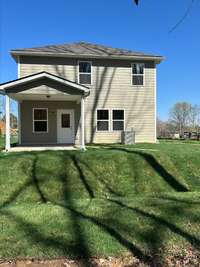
40, 148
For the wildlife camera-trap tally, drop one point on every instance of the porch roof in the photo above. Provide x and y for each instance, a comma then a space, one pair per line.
43, 78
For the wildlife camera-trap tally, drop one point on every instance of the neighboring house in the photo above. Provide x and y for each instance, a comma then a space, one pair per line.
2, 128
13, 126
13, 120
81, 92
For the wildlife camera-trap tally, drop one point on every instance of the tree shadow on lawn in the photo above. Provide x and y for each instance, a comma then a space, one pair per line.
158, 235
180, 200
33, 234
82, 176
154, 237
32, 231
82, 244
161, 221
75, 215
99, 177
107, 223
170, 179
33, 181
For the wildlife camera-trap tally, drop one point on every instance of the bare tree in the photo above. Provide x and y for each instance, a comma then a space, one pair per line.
165, 129
161, 128
194, 119
180, 115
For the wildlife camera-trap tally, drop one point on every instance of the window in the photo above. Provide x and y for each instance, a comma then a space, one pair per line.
40, 120
118, 120
65, 120
138, 74
103, 120
85, 72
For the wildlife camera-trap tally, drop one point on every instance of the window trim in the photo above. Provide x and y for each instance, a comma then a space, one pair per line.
85, 61
33, 121
100, 131
117, 120
134, 85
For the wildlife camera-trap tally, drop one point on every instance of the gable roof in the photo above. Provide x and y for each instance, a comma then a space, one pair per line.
85, 50
37, 76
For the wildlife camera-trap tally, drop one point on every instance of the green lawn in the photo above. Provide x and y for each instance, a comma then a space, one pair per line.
110, 200
2, 141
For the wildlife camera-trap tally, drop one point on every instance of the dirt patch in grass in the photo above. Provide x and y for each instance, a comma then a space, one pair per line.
184, 258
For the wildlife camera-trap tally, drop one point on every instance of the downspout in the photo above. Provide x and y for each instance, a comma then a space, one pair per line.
19, 104
155, 102
18, 67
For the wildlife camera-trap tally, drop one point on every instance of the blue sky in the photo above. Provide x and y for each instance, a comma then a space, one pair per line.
118, 23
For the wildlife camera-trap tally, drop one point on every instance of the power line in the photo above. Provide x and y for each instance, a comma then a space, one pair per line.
183, 17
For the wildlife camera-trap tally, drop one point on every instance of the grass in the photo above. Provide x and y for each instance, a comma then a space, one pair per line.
2, 141
141, 226
183, 141
109, 200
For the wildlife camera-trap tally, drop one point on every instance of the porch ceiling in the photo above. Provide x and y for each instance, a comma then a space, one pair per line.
44, 86
42, 97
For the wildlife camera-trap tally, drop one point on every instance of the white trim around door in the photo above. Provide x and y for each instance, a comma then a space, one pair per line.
65, 126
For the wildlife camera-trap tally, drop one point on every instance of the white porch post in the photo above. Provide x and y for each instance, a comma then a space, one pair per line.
19, 122
7, 123
82, 123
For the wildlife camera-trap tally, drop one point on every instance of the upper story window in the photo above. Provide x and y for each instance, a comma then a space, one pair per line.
138, 74
85, 72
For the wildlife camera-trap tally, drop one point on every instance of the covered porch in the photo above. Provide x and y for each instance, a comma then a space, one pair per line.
51, 112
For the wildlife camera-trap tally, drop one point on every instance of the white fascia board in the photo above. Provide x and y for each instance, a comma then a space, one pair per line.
156, 59
43, 75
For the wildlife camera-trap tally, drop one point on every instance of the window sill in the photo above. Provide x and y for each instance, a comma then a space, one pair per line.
137, 85
110, 131
86, 84
39, 132
107, 131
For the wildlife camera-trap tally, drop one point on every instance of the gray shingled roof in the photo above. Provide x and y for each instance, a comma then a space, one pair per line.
82, 49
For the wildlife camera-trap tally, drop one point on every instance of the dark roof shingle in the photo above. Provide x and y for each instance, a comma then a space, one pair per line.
82, 49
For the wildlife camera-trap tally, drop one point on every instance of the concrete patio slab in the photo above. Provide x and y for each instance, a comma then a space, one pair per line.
40, 148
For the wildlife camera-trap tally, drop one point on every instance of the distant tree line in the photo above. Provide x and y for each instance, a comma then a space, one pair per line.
183, 117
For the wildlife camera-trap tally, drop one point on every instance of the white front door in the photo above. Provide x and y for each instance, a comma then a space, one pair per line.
65, 126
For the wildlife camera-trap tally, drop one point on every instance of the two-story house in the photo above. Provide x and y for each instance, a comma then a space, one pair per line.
82, 93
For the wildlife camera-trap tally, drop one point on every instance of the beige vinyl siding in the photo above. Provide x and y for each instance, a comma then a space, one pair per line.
111, 88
